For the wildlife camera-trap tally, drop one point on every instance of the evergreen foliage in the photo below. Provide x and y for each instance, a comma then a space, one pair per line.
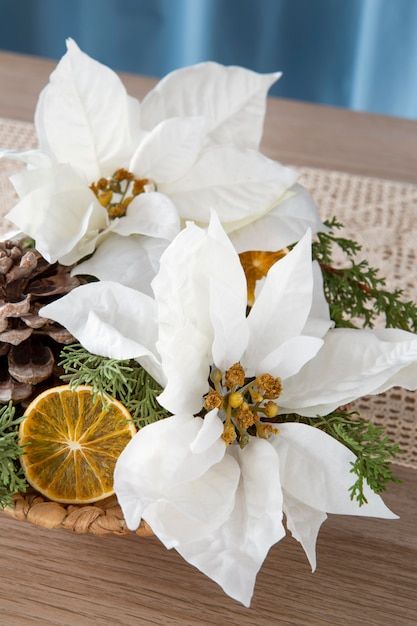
12, 480
126, 381
356, 293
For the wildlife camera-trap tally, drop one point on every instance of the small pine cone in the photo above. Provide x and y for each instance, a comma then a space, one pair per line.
29, 344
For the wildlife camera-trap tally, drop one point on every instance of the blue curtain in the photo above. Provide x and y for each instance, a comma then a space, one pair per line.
360, 54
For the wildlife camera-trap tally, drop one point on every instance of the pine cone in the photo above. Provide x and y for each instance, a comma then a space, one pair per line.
29, 344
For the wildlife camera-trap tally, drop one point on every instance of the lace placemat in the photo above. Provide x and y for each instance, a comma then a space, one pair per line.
380, 214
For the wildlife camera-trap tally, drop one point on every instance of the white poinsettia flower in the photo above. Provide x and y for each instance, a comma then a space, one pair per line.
219, 505
109, 167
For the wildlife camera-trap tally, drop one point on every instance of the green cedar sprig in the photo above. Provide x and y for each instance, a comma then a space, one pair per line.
12, 480
357, 294
373, 449
126, 381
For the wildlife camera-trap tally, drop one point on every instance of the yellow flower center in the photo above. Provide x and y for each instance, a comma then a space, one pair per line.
246, 404
116, 193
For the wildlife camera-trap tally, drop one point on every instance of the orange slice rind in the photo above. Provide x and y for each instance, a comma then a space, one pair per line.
72, 440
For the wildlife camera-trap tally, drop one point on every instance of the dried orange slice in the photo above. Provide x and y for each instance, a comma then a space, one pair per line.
72, 441
256, 265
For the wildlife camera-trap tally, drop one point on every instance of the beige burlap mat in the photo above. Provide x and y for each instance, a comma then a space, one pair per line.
380, 214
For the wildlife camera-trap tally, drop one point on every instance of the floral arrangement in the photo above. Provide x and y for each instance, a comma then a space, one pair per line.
184, 288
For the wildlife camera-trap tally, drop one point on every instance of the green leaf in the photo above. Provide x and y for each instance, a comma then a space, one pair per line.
126, 381
12, 480
356, 293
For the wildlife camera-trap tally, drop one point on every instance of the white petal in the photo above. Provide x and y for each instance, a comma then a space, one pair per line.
186, 359
32, 158
84, 116
235, 183
15, 233
318, 322
280, 226
351, 364
304, 523
210, 431
108, 319
131, 261
185, 331
233, 554
227, 297
152, 214
232, 99
282, 307
183, 494
290, 356
169, 150
316, 470
60, 214
28, 180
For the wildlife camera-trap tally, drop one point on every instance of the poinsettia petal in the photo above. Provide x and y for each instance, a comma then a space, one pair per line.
108, 319
232, 99
318, 321
84, 116
316, 470
235, 183
32, 158
131, 261
280, 226
210, 431
283, 305
233, 553
182, 493
169, 150
227, 297
352, 363
83, 243
60, 214
185, 331
28, 180
290, 356
304, 523
152, 214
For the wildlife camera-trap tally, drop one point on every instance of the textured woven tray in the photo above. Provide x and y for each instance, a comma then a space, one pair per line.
380, 214
101, 518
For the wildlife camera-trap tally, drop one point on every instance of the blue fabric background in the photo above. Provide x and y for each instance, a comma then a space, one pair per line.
360, 54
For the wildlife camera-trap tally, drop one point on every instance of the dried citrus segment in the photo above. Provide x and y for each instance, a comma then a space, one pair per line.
256, 265
72, 442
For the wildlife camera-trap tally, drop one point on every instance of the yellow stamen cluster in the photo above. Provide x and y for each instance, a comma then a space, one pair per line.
269, 386
244, 404
116, 193
236, 399
245, 417
229, 434
265, 431
213, 400
270, 409
235, 376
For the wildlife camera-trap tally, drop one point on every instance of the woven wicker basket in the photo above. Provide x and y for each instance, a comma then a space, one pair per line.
103, 518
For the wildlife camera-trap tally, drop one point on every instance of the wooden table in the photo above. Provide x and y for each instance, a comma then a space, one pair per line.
367, 572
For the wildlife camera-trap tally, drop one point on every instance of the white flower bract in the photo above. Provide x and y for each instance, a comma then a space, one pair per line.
218, 505
195, 137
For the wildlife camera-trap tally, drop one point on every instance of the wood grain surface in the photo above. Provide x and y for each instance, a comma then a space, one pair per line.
367, 568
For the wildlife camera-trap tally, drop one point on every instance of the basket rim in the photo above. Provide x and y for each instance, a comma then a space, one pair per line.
104, 517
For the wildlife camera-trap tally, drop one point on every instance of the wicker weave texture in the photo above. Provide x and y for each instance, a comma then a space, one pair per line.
101, 518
